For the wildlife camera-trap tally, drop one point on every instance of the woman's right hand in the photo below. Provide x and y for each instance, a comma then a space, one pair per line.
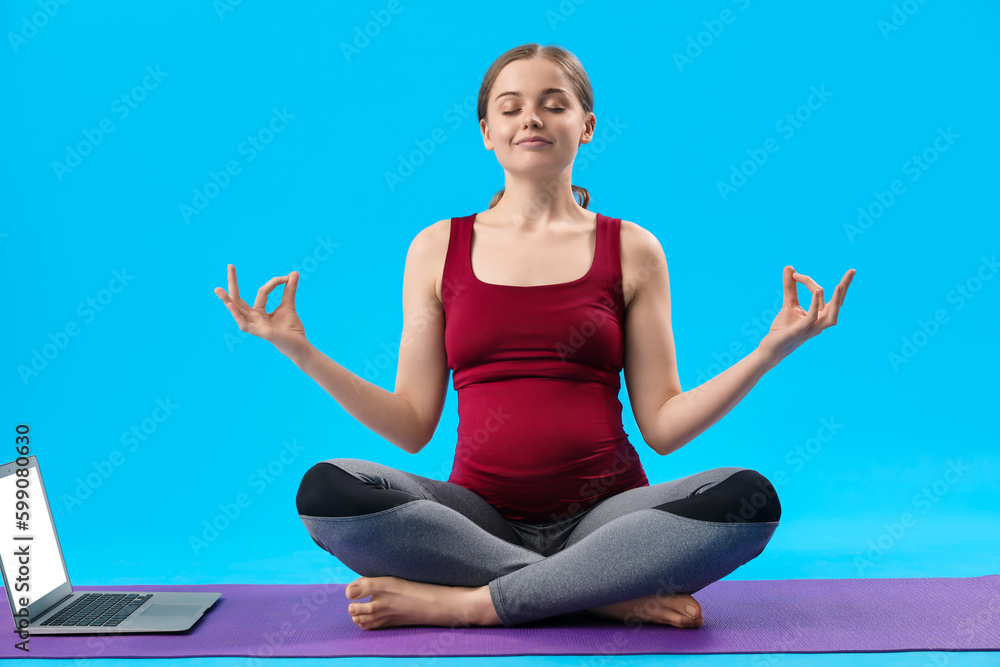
282, 327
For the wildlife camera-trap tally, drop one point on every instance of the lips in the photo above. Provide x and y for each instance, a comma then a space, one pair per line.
534, 139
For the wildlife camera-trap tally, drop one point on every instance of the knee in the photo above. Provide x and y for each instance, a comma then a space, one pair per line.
752, 497
331, 490
328, 488
744, 496
314, 489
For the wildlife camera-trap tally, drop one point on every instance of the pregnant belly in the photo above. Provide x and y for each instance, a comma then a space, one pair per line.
535, 427
540, 449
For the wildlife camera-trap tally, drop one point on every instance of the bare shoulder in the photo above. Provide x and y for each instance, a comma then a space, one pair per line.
638, 238
428, 250
641, 252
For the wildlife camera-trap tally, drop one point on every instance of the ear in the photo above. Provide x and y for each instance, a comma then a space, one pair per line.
589, 126
487, 139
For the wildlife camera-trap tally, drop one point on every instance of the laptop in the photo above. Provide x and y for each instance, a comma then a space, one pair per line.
42, 599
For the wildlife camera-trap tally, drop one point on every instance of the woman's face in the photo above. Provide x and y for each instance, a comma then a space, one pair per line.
523, 104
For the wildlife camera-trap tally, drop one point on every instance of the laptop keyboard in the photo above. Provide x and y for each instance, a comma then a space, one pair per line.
99, 609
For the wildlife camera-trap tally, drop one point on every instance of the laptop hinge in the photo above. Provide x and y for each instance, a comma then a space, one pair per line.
53, 606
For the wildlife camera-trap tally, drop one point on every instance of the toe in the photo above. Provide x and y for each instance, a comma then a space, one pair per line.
683, 612
369, 621
357, 588
681, 620
686, 605
359, 608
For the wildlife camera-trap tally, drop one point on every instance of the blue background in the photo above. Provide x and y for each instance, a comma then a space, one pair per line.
318, 199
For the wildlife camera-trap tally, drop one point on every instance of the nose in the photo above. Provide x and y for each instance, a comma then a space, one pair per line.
533, 117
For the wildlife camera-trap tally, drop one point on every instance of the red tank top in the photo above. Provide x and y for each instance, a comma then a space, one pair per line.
536, 369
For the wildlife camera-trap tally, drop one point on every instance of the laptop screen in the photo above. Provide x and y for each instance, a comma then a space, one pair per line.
44, 569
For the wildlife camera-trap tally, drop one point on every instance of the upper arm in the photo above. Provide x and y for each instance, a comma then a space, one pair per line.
650, 358
422, 372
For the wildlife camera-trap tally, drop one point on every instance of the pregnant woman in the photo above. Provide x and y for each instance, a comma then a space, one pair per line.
535, 305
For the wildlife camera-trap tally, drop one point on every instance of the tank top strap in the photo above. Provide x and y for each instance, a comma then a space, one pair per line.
457, 262
609, 251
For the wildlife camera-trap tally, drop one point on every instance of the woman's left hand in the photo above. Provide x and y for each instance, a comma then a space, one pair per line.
794, 326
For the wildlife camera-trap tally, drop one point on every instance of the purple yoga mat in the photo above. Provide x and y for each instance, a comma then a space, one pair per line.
779, 616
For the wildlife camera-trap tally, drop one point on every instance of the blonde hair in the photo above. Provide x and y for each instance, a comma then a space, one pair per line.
570, 65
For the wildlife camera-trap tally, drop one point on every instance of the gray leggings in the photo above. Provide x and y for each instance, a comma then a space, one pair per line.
672, 537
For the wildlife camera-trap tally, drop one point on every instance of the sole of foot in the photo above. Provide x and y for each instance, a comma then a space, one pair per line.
399, 602
679, 610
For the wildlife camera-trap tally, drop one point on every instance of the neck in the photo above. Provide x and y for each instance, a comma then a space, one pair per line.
534, 203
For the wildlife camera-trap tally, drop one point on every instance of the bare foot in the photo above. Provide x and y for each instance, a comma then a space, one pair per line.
396, 602
666, 609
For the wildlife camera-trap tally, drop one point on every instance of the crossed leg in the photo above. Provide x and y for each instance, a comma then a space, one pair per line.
651, 547
413, 537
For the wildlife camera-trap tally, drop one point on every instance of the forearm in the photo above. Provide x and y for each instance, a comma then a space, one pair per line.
685, 416
384, 412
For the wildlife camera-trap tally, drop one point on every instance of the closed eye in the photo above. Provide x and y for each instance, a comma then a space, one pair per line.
508, 113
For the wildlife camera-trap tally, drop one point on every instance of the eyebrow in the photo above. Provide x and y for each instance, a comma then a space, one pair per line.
546, 92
